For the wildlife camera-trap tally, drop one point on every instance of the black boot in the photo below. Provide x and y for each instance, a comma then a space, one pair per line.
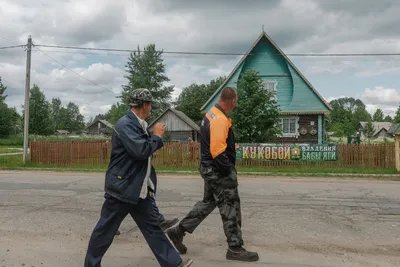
176, 235
241, 254
168, 223
186, 263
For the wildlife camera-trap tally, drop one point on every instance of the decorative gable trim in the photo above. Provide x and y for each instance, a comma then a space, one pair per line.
264, 34
232, 72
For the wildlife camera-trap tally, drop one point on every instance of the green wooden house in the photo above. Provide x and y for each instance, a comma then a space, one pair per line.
303, 109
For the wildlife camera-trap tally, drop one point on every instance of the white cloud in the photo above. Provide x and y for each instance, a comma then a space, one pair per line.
382, 96
330, 98
387, 110
387, 99
68, 86
312, 26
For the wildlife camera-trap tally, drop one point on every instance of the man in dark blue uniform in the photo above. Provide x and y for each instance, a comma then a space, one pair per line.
130, 183
164, 223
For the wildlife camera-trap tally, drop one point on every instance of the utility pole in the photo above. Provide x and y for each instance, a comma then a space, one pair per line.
27, 88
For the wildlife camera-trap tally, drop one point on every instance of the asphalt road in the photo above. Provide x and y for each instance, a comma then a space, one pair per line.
46, 219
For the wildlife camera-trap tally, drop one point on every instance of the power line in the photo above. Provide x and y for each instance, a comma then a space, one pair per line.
220, 53
120, 54
12, 46
132, 51
74, 71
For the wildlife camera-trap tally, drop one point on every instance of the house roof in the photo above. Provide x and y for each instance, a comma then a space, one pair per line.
62, 131
395, 127
180, 115
379, 126
106, 123
264, 34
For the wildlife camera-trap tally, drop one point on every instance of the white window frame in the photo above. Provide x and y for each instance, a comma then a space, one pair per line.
271, 86
295, 133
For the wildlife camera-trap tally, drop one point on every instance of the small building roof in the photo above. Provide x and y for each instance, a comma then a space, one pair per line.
379, 126
62, 131
394, 129
180, 115
106, 123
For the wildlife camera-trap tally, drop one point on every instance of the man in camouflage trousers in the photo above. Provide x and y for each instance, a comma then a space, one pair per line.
217, 168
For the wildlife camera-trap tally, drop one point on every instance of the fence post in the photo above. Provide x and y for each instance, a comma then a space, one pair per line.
397, 150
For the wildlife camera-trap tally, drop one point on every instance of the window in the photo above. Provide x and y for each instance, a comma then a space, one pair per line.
270, 86
290, 126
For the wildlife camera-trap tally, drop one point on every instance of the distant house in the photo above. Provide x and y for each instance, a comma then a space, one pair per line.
303, 109
61, 132
180, 128
99, 127
381, 129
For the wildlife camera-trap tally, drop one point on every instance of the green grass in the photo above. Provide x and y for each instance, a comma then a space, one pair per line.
14, 162
18, 141
9, 149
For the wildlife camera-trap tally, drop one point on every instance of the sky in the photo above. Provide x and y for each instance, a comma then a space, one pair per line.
94, 79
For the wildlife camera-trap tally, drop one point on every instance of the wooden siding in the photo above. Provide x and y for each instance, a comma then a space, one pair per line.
271, 66
95, 130
173, 122
304, 121
231, 82
304, 99
183, 136
293, 93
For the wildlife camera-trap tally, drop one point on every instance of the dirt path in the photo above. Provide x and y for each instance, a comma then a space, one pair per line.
47, 219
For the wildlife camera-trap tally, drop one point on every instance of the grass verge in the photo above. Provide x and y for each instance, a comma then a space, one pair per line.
10, 149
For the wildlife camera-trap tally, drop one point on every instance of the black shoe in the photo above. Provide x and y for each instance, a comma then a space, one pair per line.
176, 237
241, 254
168, 223
186, 263
118, 232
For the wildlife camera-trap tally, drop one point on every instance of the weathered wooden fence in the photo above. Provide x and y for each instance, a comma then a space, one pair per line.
90, 153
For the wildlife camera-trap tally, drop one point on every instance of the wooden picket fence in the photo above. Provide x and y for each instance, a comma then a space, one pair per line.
92, 153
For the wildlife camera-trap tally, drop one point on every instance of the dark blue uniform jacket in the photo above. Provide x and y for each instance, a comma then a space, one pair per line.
130, 152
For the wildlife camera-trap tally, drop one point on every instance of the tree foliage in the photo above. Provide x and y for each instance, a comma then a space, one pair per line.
116, 112
66, 118
10, 120
388, 119
3, 88
193, 97
74, 120
145, 69
6, 120
397, 116
378, 115
346, 114
369, 130
40, 113
256, 116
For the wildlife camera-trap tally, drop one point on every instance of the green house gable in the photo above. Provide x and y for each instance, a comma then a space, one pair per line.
295, 94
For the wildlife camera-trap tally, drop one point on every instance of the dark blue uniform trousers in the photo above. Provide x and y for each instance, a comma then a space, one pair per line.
156, 211
113, 213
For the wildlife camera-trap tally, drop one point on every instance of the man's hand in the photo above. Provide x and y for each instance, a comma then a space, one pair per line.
159, 129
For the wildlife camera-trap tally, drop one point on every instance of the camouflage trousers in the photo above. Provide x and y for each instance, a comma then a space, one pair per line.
222, 192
